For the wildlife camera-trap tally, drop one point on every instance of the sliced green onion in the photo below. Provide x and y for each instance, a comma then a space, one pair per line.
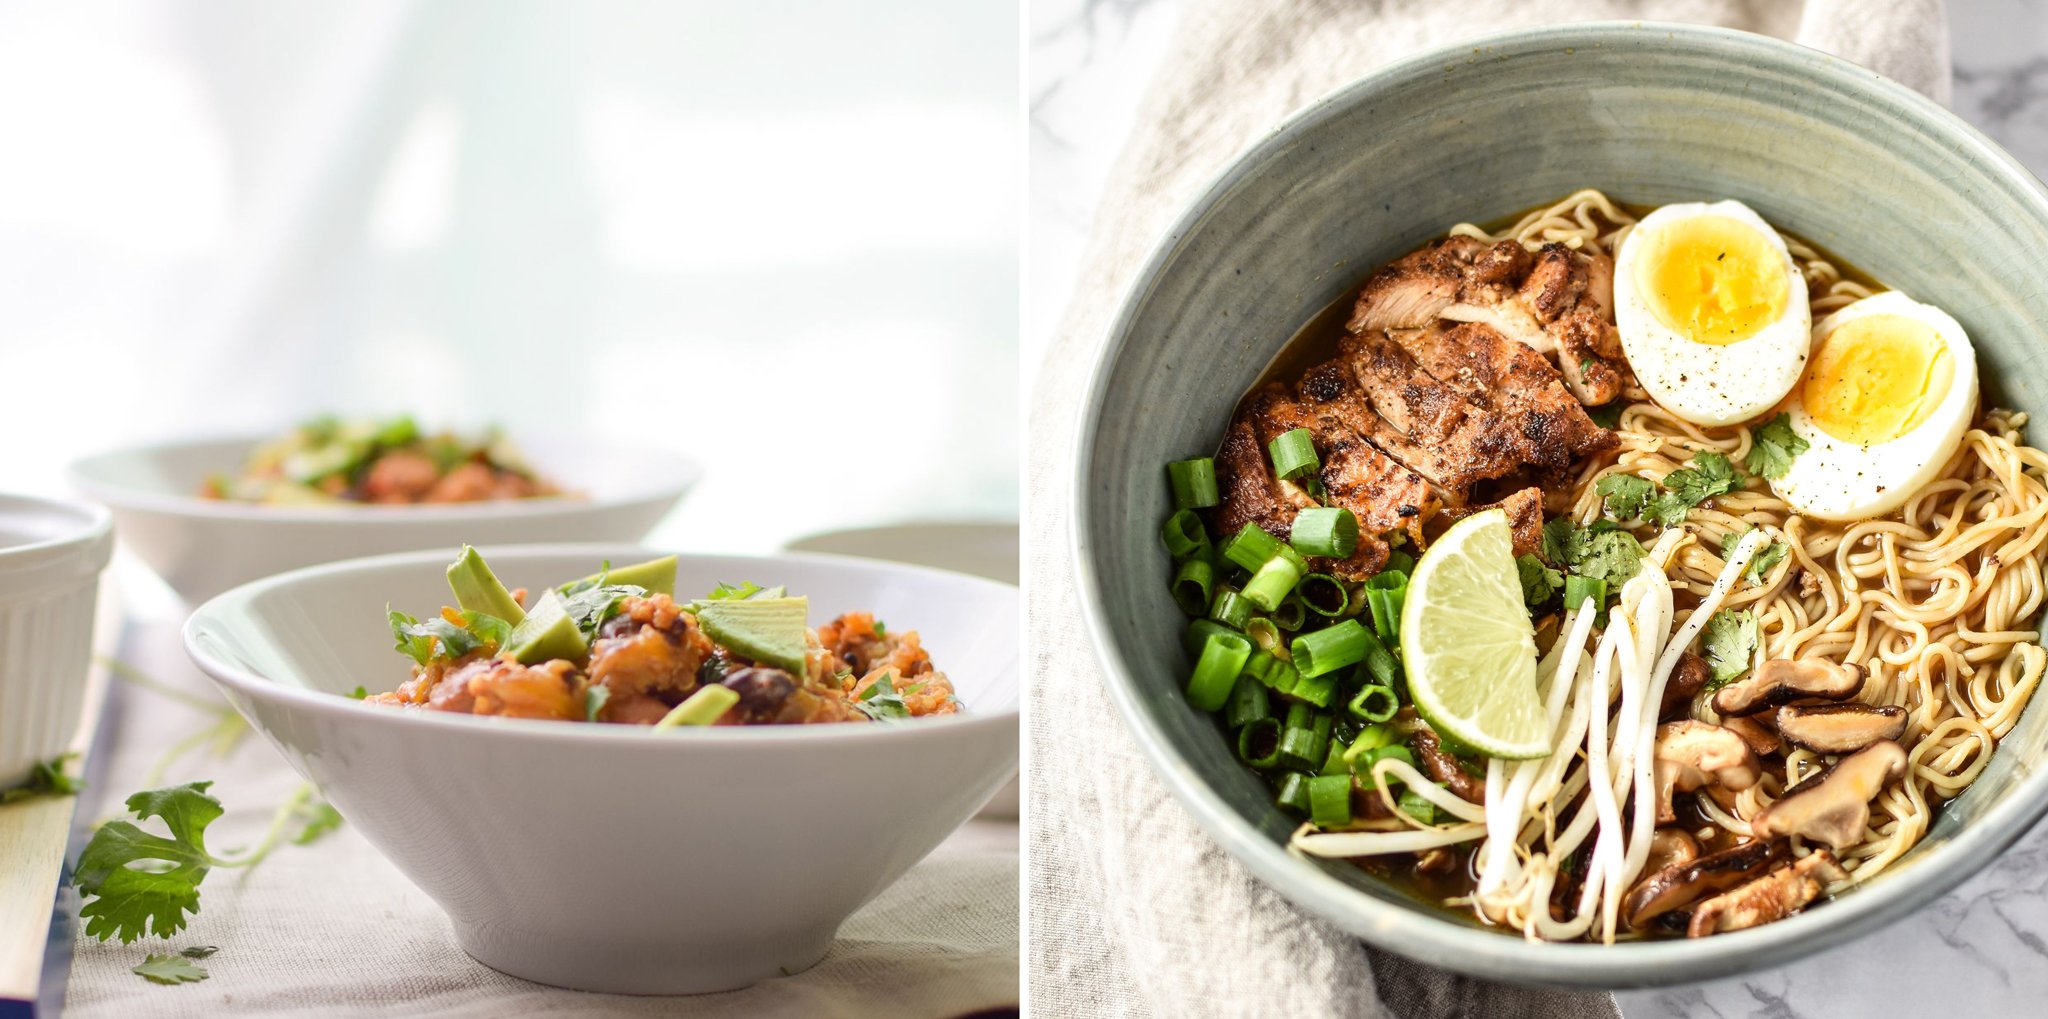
1363, 764
704, 707
1384, 593
1374, 703
1316, 690
1325, 531
1258, 743
1411, 803
1265, 634
1329, 801
1272, 582
1330, 648
1305, 739
1294, 454
1251, 547
1399, 562
1293, 795
1230, 609
1370, 738
1379, 664
1324, 595
1333, 762
1274, 674
1183, 534
1198, 633
1191, 585
1223, 657
1290, 614
1194, 483
1248, 702
1579, 590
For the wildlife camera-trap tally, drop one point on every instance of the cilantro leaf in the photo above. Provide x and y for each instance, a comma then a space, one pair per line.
1625, 494
200, 951
742, 591
1760, 564
881, 701
1710, 475
1666, 510
1773, 445
1730, 645
594, 698
1603, 551
316, 818
1608, 415
591, 606
171, 969
130, 901
441, 637
1539, 582
45, 778
359, 693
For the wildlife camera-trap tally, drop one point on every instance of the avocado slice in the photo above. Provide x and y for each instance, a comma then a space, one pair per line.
657, 576
547, 633
477, 589
767, 630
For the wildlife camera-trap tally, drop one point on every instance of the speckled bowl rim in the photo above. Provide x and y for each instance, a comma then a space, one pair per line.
1442, 941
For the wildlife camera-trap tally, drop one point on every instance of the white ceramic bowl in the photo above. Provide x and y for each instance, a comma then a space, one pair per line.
202, 547
51, 554
616, 858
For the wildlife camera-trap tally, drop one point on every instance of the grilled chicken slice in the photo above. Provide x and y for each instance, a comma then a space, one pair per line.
1332, 387
1465, 441
1525, 518
1383, 494
1506, 376
1555, 301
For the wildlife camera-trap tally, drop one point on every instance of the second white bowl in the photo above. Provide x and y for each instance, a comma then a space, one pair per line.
202, 546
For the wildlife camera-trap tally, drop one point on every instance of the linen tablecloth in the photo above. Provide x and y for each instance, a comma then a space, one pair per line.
1133, 910
333, 929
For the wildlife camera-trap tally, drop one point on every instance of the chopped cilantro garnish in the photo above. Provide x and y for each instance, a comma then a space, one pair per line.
1730, 644
359, 693
594, 698
881, 701
1773, 445
1710, 475
441, 637
1607, 415
1601, 552
171, 969
1760, 564
1625, 494
591, 606
1539, 582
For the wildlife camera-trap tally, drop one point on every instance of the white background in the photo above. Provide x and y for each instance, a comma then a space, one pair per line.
779, 237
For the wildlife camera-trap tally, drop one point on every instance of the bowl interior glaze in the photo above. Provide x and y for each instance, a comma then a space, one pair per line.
1652, 114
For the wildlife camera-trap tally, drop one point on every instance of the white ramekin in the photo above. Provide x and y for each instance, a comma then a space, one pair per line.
51, 554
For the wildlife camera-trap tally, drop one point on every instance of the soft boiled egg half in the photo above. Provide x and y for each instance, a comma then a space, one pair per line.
1712, 311
1889, 392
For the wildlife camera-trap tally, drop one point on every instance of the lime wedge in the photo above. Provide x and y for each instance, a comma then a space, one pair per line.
1466, 641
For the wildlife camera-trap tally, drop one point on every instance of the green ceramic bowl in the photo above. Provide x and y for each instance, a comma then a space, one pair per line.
1650, 113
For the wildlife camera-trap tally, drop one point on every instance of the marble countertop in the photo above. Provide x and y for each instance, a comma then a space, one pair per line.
1090, 61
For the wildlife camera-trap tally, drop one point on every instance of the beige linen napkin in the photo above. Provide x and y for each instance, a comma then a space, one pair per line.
1132, 909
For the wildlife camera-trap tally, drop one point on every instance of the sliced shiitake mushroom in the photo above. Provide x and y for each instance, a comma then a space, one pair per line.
1691, 754
1761, 741
1839, 728
1833, 806
1783, 680
1681, 884
1687, 680
1445, 768
1771, 897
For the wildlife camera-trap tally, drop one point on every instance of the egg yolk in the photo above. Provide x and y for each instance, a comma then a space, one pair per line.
1713, 279
1876, 378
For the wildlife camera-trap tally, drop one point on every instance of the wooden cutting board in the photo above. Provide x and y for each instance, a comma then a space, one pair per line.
37, 903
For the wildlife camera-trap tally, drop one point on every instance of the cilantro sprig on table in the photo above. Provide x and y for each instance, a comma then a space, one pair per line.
174, 969
46, 778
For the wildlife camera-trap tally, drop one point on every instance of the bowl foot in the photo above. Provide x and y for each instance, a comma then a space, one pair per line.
641, 966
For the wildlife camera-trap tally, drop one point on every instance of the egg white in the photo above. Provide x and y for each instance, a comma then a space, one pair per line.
1700, 382
1837, 480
